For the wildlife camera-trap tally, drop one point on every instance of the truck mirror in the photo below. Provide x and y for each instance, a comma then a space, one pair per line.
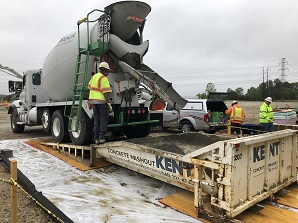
14, 86
11, 87
18, 85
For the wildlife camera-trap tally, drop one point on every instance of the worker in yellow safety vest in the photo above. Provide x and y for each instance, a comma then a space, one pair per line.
237, 116
266, 116
99, 98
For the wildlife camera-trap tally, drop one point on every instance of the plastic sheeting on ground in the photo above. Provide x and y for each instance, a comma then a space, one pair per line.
110, 194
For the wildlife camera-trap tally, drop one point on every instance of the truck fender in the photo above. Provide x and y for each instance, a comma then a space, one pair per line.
190, 119
87, 108
17, 104
10, 109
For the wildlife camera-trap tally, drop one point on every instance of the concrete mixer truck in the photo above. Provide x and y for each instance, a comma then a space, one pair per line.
56, 96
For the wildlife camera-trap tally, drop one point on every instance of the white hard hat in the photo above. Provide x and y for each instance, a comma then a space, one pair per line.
269, 99
104, 65
234, 102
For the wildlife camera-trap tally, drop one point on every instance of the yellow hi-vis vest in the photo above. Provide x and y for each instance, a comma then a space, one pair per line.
98, 85
266, 115
237, 115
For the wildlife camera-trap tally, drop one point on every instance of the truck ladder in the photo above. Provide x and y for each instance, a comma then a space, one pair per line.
96, 48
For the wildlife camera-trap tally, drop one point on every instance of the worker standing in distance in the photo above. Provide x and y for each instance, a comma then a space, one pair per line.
237, 116
99, 98
266, 116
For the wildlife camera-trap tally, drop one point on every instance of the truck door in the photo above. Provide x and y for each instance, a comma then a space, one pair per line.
170, 117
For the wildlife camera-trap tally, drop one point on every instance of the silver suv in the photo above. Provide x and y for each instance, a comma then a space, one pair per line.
198, 114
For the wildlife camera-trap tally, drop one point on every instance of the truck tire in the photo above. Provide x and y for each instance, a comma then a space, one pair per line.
212, 131
84, 134
136, 131
59, 124
116, 132
15, 128
46, 119
147, 130
186, 126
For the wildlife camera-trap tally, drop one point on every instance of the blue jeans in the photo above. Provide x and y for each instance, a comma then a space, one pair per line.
236, 128
267, 127
101, 118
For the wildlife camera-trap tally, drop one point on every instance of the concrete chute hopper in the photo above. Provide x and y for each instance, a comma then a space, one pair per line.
121, 14
127, 44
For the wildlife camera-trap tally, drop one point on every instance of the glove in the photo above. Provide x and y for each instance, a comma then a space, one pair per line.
110, 106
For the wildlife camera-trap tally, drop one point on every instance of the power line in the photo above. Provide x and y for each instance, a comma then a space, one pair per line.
267, 72
263, 88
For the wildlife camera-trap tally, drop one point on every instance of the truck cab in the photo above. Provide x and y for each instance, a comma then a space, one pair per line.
24, 111
198, 114
33, 91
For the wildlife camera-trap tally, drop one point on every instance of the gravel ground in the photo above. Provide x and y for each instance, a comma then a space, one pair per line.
28, 210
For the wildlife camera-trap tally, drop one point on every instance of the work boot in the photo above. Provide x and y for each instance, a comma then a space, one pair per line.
102, 141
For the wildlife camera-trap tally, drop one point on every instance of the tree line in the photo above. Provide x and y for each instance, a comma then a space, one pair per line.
276, 89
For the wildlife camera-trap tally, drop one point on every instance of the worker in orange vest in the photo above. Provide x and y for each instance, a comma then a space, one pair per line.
237, 116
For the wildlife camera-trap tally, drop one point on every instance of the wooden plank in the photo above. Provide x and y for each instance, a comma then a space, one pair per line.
72, 146
37, 144
290, 199
182, 202
270, 214
14, 191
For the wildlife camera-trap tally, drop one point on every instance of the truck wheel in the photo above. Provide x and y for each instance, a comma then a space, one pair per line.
116, 132
15, 128
186, 126
136, 131
147, 130
59, 125
84, 134
210, 131
46, 120
133, 131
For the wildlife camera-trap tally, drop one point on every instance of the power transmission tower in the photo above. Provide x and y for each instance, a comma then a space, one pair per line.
282, 70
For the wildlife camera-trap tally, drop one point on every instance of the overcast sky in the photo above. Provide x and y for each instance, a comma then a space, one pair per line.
192, 42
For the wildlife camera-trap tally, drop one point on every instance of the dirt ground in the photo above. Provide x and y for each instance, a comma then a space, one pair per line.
28, 211
6, 133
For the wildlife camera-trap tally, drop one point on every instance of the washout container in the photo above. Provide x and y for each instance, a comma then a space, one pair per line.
226, 175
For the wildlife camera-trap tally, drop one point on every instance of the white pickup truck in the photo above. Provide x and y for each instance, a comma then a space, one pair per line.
198, 114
